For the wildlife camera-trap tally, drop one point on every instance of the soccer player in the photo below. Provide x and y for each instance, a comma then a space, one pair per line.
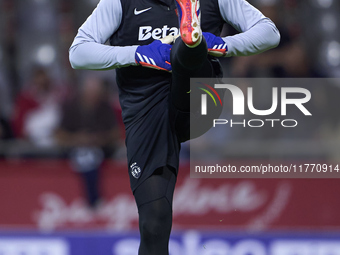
153, 77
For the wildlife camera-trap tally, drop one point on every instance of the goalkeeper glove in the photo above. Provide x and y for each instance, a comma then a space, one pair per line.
216, 46
155, 55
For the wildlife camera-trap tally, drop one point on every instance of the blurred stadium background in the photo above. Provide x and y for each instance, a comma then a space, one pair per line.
64, 187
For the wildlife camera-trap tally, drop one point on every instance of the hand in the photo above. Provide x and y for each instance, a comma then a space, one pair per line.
216, 46
155, 55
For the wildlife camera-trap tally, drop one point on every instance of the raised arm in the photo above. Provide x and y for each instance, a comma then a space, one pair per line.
258, 33
88, 50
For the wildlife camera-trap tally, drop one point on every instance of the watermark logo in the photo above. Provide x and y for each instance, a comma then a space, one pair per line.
212, 93
239, 103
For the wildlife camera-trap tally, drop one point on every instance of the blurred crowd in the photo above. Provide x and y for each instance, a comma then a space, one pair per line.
43, 102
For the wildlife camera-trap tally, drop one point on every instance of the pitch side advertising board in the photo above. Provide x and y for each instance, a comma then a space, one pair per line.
48, 196
189, 243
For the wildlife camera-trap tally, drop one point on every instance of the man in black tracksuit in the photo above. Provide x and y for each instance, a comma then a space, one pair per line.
155, 102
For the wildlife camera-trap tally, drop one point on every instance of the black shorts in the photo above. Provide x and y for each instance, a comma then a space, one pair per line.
154, 141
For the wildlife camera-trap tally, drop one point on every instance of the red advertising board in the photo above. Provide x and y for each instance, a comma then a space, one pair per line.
47, 195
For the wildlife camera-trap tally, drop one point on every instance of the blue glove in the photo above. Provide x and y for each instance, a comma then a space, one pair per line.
154, 55
216, 46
